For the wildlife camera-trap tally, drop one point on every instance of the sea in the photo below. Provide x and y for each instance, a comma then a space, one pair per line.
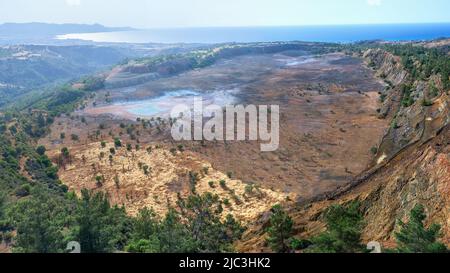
212, 35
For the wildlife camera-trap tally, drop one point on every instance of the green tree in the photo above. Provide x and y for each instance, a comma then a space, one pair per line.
145, 224
280, 230
144, 246
344, 227
65, 152
211, 234
41, 150
153, 236
117, 143
3, 224
101, 228
174, 236
2, 204
413, 237
39, 223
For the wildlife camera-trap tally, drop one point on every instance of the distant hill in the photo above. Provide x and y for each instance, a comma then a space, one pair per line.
23, 68
14, 29
27, 33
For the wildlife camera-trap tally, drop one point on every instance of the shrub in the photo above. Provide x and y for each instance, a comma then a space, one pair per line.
249, 189
146, 169
374, 150
226, 202
23, 191
65, 152
99, 180
180, 148
427, 103
223, 184
297, 244
75, 137
117, 143
41, 150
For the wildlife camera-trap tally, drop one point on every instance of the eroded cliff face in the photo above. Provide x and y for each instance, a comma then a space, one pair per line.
412, 165
413, 162
420, 174
418, 109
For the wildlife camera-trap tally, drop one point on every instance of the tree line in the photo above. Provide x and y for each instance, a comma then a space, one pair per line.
344, 227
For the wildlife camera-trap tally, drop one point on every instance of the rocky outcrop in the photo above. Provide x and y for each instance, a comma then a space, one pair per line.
388, 66
417, 114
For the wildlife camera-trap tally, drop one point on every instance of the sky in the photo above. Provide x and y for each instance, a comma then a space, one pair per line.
208, 13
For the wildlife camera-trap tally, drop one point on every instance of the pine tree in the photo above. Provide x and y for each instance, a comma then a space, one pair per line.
102, 228
203, 214
174, 236
344, 227
39, 223
413, 237
280, 230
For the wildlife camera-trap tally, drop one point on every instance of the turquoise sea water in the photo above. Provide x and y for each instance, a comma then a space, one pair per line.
342, 34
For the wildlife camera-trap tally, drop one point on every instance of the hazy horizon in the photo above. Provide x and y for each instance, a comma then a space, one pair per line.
150, 14
237, 26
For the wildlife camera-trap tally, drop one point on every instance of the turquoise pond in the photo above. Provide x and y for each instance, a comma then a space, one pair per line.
162, 105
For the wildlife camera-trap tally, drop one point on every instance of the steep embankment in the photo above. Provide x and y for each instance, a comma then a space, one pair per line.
418, 108
412, 164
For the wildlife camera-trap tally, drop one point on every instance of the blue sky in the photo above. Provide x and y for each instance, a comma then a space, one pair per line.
201, 13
